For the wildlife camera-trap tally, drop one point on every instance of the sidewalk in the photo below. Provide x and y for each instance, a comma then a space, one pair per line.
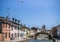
8, 41
18, 40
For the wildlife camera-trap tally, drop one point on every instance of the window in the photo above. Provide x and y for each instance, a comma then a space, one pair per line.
9, 26
5, 35
18, 34
15, 34
6, 25
12, 28
3, 25
19, 28
9, 35
12, 35
15, 27
2, 33
21, 34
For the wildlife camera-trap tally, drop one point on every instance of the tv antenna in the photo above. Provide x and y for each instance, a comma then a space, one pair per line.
20, 1
8, 12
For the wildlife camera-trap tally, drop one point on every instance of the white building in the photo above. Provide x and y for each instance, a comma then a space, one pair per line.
14, 32
22, 34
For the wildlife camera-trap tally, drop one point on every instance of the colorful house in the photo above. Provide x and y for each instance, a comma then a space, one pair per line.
9, 28
4, 28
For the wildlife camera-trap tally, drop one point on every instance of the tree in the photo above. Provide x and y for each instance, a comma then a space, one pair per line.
18, 21
13, 19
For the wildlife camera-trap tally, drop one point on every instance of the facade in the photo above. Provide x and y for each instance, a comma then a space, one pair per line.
56, 31
22, 32
43, 29
32, 31
4, 28
14, 32
14, 29
8, 28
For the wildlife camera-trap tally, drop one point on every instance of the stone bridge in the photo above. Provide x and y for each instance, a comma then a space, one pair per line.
42, 35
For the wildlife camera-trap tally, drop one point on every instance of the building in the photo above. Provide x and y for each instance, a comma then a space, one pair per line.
9, 28
48, 31
4, 28
56, 31
38, 30
43, 29
14, 29
23, 32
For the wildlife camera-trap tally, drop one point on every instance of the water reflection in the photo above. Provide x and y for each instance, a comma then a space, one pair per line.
39, 40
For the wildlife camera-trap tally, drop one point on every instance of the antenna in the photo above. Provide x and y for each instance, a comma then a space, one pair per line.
8, 11
20, 1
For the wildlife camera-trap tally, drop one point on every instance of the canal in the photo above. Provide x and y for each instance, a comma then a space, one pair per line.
39, 40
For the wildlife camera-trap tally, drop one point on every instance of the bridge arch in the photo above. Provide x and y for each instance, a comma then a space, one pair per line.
43, 33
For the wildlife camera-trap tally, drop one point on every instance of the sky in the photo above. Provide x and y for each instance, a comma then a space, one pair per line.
32, 12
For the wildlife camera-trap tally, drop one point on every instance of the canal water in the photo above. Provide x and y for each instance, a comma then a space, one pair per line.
39, 41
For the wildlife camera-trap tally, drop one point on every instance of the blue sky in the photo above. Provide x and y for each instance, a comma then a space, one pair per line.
33, 12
